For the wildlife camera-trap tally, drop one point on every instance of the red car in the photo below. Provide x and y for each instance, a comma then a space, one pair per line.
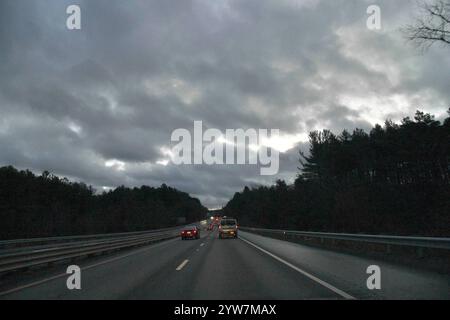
191, 232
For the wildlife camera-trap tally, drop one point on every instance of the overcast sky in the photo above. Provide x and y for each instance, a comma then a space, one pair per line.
99, 104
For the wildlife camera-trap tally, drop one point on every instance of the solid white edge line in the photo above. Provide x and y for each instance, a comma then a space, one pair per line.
181, 266
32, 284
310, 276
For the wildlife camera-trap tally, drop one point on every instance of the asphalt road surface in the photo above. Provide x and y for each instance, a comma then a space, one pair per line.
251, 267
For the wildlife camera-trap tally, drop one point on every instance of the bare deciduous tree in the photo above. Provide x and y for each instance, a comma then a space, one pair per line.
432, 26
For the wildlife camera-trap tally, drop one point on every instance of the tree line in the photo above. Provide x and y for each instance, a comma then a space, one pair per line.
46, 205
392, 180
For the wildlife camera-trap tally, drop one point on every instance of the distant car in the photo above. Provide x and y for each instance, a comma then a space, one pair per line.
228, 228
191, 232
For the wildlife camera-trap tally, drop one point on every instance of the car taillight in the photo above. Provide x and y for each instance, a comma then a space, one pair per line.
195, 231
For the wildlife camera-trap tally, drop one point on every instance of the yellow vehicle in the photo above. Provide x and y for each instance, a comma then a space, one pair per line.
228, 228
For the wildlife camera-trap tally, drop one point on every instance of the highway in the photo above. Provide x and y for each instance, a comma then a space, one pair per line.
251, 267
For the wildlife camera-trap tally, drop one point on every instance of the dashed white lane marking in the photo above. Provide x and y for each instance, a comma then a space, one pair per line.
202, 245
181, 266
310, 276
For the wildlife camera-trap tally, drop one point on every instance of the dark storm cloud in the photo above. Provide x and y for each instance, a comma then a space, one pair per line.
100, 104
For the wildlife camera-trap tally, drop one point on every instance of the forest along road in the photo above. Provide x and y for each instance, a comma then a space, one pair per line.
251, 267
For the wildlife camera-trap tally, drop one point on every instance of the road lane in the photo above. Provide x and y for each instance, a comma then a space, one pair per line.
111, 279
231, 269
211, 268
348, 272
235, 270
325, 284
218, 269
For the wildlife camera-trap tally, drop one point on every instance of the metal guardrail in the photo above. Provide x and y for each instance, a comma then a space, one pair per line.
28, 254
419, 242
47, 240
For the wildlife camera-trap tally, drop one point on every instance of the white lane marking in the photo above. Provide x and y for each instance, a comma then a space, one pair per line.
181, 266
33, 284
310, 276
202, 245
